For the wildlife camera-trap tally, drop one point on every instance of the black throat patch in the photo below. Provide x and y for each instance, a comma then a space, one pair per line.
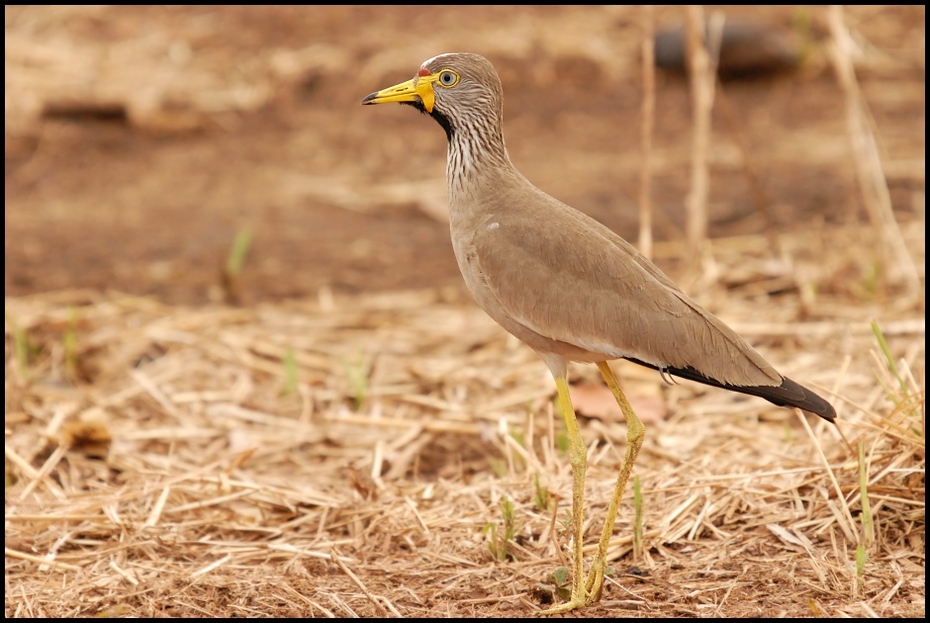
440, 118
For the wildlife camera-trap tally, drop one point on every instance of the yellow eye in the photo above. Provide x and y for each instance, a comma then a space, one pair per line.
448, 78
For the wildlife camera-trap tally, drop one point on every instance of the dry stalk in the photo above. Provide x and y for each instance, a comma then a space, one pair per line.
702, 71
648, 106
867, 162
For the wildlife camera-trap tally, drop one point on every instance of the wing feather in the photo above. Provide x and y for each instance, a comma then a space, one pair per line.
577, 282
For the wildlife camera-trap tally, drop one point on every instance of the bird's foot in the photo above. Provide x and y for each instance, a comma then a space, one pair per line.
581, 597
594, 585
577, 601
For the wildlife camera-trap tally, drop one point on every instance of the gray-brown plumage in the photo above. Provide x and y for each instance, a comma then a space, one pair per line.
566, 285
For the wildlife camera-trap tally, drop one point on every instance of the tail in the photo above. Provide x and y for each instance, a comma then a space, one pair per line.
788, 394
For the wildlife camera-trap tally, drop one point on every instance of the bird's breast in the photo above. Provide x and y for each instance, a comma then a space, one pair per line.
466, 254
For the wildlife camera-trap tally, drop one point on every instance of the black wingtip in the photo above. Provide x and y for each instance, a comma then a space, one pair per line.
796, 395
788, 394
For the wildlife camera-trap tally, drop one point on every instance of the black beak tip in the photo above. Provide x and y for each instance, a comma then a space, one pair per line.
368, 99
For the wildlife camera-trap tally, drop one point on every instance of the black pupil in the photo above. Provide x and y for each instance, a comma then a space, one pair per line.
447, 78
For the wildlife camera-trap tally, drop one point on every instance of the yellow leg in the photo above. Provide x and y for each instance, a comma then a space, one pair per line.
635, 432
577, 455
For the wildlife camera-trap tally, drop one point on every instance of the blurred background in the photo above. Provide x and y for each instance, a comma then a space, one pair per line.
141, 141
170, 456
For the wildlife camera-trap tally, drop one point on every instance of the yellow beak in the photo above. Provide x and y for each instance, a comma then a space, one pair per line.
420, 88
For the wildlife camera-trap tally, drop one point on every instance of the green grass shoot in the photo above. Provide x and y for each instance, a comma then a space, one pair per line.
491, 528
862, 557
868, 527
23, 350
238, 252
290, 372
499, 545
541, 495
880, 338
498, 467
871, 280
509, 515
358, 380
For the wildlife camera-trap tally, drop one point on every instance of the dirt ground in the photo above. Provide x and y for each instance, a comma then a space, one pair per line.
246, 117
140, 141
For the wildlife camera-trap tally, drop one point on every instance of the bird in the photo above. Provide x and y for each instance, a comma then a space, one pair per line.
568, 286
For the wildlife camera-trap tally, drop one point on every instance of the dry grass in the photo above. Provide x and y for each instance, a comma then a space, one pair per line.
163, 460
345, 457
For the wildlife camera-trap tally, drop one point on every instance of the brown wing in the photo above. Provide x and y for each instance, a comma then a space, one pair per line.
575, 281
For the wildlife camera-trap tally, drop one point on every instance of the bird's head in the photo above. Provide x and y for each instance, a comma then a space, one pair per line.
454, 89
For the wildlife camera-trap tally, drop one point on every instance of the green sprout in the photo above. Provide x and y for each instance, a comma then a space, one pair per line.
23, 349
238, 252
499, 545
868, 527
498, 467
290, 372
358, 380
880, 338
541, 495
862, 557
230, 275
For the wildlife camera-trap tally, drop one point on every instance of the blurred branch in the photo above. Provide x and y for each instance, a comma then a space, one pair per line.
702, 68
867, 163
648, 123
